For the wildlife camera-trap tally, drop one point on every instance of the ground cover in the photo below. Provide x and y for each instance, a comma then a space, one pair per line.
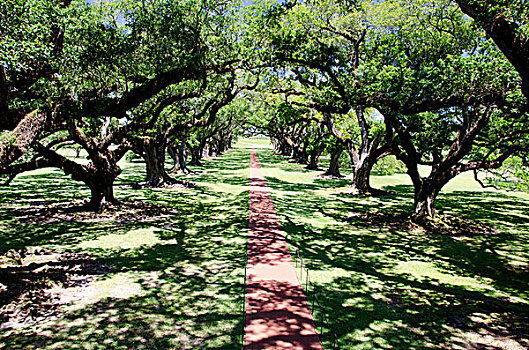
173, 280
387, 285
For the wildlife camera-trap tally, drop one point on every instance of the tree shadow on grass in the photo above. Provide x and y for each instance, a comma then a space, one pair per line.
190, 294
176, 282
384, 286
389, 285
153, 320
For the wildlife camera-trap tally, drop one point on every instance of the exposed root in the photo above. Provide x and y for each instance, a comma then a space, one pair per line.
443, 224
124, 212
453, 225
353, 191
167, 183
332, 177
32, 282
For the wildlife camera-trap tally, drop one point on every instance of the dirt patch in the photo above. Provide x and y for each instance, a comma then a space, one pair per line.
507, 331
329, 177
172, 184
33, 281
443, 224
122, 213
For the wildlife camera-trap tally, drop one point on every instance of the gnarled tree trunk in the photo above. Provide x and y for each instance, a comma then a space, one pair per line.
99, 175
154, 155
425, 194
362, 174
101, 189
424, 203
334, 165
178, 153
196, 155
313, 160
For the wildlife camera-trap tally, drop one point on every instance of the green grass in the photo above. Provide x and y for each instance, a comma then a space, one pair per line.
255, 141
176, 283
387, 288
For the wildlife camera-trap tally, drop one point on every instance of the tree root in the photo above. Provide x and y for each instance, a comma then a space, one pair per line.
442, 224
166, 183
330, 176
453, 225
375, 192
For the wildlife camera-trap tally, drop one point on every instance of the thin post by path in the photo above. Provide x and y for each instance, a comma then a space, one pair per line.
277, 312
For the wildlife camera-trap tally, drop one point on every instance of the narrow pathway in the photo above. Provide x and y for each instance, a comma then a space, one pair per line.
277, 313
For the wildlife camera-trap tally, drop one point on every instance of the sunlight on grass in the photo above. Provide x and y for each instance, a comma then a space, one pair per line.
116, 286
386, 287
421, 270
176, 282
255, 142
130, 240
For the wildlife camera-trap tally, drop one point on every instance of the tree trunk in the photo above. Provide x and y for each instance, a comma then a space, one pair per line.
154, 155
102, 193
99, 175
313, 161
361, 177
285, 150
182, 157
221, 147
334, 165
301, 159
196, 155
173, 153
425, 194
300, 156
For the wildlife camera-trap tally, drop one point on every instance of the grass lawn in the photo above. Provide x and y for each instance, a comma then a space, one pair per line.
176, 281
387, 288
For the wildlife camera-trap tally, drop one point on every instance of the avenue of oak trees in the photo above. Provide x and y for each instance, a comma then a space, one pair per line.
114, 77
447, 94
441, 83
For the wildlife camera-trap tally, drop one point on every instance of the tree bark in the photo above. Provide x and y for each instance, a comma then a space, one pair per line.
102, 191
334, 165
362, 174
182, 157
196, 155
18, 141
363, 159
300, 157
425, 194
313, 159
99, 175
154, 155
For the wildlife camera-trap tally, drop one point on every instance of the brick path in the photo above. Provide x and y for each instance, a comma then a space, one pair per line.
277, 313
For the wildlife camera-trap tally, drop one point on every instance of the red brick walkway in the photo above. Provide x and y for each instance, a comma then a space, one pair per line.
277, 313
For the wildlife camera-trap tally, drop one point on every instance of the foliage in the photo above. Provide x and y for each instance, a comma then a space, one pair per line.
513, 175
389, 165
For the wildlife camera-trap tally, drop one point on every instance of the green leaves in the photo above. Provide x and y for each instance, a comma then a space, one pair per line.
27, 32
